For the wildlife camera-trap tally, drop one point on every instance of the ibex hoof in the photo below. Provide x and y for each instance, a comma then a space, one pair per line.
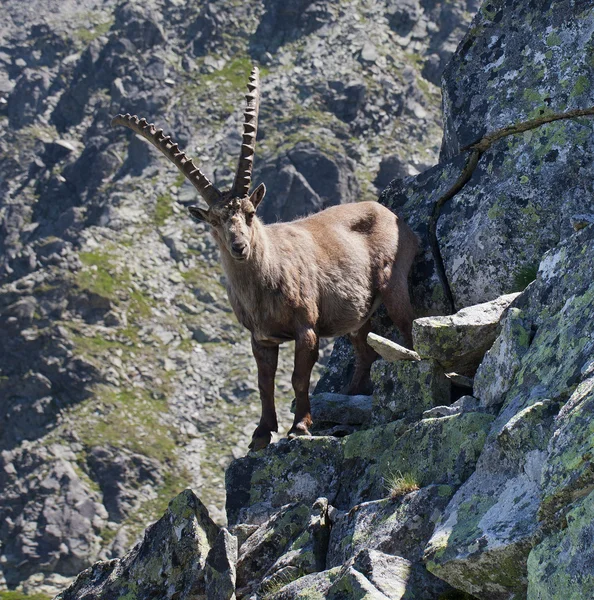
259, 443
299, 430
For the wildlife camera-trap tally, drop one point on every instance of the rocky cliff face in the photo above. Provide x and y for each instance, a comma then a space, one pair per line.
490, 496
123, 376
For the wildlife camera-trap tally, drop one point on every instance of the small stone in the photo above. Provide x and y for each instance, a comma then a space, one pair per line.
369, 53
460, 380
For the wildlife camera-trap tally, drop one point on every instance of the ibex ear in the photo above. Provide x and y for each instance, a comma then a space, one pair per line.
257, 195
199, 214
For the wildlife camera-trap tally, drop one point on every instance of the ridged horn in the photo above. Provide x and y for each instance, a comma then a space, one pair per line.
171, 150
243, 177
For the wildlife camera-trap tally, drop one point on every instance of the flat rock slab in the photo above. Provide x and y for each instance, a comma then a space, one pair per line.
389, 350
459, 342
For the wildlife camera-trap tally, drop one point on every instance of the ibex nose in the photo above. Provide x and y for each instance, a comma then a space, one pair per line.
238, 248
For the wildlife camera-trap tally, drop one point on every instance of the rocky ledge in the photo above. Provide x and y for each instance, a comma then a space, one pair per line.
493, 501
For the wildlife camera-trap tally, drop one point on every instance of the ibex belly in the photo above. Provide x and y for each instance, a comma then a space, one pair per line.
342, 315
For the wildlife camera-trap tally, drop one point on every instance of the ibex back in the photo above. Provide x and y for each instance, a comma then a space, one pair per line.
320, 276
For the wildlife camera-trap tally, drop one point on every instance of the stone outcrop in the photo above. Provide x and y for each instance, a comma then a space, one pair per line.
532, 469
474, 499
168, 563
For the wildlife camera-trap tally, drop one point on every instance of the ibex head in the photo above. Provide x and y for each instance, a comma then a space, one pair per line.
230, 213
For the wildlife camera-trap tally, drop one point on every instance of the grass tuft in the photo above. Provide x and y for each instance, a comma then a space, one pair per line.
400, 484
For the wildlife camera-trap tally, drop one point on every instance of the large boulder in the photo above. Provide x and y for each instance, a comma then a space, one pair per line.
405, 389
458, 342
339, 412
561, 565
399, 525
291, 544
305, 180
371, 575
440, 451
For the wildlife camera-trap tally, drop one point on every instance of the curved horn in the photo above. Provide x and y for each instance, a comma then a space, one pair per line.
171, 150
243, 177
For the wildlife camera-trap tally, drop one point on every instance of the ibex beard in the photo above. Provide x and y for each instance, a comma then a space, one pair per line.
320, 276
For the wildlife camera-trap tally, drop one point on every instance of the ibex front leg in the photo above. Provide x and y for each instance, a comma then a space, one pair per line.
267, 360
306, 354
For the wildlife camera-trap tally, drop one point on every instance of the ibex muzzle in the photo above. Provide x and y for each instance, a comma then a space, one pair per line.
321, 276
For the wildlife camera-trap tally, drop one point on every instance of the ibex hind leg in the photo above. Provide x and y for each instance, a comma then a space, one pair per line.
364, 357
396, 299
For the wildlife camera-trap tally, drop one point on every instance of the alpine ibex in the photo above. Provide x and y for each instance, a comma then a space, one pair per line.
320, 276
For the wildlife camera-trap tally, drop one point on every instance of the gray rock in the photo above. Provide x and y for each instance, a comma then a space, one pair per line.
369, 53
496, 373
168, 563
440, 451
561, 564
305, 180
266, 545
459, 342
305, 554
399, 526
463, 404
299, 470
308, 586
403, 15
28, 98
405, 389
391, 167
491, 82
371, 575
398, 578
51, 519
123, 479
346, 101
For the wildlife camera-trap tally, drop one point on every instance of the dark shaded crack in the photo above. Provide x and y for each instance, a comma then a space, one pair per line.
467, 171
476, 150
